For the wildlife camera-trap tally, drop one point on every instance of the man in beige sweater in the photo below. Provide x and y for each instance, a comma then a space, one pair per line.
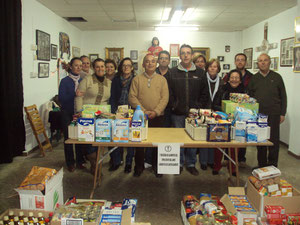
150, 91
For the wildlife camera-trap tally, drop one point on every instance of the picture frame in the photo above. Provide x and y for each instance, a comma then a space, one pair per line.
43, 45
174, 50
75, 52
135, 66
286, 52
64, 45
227, 48
53, 51
255, 66
226, 66
202, 51
93, 57
297, 29
43, 70
116, 54
249, 53
274, 63
174, 62
296, 59
220, 58
134, 54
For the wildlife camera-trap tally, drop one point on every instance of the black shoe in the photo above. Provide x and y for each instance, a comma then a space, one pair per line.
127, 169
137, 173
113, 168
71, 168
211, 165
203, 167
234, 174
193, 171
214, 172
158, 175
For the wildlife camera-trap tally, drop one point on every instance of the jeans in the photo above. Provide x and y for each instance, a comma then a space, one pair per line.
190, 155
116, 156
206, 156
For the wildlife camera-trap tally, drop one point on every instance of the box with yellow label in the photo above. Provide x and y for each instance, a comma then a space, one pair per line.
230, 106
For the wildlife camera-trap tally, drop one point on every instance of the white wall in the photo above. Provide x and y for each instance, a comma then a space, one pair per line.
40, 90
280, 26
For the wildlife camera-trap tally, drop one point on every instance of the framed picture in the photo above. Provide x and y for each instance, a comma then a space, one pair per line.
286, 51
226, 66
43, 70
75, 52
227, 48
297, 30
53, 51
64, 45
255, 66
249, 53
43, 45
174, 62
135, 66
116, 54
296, 61
221, 58
174, 50
274, 63
134, 54
93, 57
202, 51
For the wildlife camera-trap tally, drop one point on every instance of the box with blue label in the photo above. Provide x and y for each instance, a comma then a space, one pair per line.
86, 129
103, 130
218, 132
120, 130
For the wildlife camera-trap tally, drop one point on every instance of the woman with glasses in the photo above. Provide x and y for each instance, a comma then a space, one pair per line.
119, 96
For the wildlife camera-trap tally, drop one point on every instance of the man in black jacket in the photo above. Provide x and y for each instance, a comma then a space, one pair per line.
187, 90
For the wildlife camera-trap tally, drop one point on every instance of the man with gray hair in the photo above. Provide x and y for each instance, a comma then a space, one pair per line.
268, 88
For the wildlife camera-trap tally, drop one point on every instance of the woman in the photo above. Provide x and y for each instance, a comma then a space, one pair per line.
94, 89
111, 67
66, 95
86, 66
200, 61
234, 85
215, 84
119, 96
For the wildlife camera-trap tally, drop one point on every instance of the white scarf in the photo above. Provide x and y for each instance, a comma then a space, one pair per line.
217, 81
75, 79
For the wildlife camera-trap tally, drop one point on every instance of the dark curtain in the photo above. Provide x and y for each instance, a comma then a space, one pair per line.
11, 88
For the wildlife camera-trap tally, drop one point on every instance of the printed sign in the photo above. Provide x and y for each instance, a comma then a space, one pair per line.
168, 158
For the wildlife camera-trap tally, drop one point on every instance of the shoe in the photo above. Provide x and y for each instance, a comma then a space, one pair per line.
113, 168
214, 172
224, 163
203, 167
137, 173
127, 169
71, 168
193, 171
211, 165
147, 165
242, 164
181, 169
234, 174
81, 166
158, 175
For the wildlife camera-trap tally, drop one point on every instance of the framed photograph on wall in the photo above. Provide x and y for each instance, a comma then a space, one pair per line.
75, 52
274, 63
43, 71
286, 51
226, 66
174, 50
255, 66
43, 45
64, 45
297, 30
53, 51
202, 51
174, 62
135, 66
221, 58
116, 54
296, 61
134, 54
93, 57
249, 53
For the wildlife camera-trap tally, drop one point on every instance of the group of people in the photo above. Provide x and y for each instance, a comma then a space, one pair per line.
166, 95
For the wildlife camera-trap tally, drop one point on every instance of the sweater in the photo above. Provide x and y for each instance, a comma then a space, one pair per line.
95, 92
151, 96
269, 92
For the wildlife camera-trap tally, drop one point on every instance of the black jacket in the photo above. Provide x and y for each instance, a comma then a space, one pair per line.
187, 89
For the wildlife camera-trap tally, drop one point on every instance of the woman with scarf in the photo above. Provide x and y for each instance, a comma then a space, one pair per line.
215, 84
94, 89
66, 96
119, 96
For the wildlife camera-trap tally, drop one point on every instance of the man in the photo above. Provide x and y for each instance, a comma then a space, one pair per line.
86, 66
163, 63
240, 61
150, 91
188, 89
268, 88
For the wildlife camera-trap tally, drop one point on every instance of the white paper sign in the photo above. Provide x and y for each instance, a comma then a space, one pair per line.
168, 158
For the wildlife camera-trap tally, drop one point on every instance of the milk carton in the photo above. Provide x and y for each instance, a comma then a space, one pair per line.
103, 130
252, 132
120, 130
240, 131
86, 129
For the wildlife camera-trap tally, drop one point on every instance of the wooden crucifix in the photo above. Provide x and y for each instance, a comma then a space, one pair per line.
265, 46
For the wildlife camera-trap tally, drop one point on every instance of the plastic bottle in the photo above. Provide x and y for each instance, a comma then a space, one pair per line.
30, 217
6, 220
25, 221
35, 221
21, 216
1, 222
138, 115
11, 216
16, 220
41, 218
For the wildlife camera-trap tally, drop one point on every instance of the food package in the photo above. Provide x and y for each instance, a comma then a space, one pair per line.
266, 172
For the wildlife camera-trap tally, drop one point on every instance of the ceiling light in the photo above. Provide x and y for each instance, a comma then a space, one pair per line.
177, 16
176, 28
187, 14
166, 14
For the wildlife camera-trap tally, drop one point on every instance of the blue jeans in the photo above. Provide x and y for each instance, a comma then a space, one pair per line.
148, 156
116, 156
206, 156
178, 121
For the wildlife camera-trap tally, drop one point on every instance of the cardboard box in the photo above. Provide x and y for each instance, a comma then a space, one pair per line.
120, 130
103, 130
241, 215
291, 204
36, 200
229, 106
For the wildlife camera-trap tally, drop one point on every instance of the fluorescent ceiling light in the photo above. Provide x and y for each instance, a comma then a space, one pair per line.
166, 14
176, 28
187, 14
177, 16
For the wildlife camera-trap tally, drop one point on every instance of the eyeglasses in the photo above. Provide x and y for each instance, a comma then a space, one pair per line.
127, 66
185, 53
163, 58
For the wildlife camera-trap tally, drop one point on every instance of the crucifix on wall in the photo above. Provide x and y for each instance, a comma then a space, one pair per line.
265, 46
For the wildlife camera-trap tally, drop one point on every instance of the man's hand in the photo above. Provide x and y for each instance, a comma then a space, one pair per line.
151, 114
282, 118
